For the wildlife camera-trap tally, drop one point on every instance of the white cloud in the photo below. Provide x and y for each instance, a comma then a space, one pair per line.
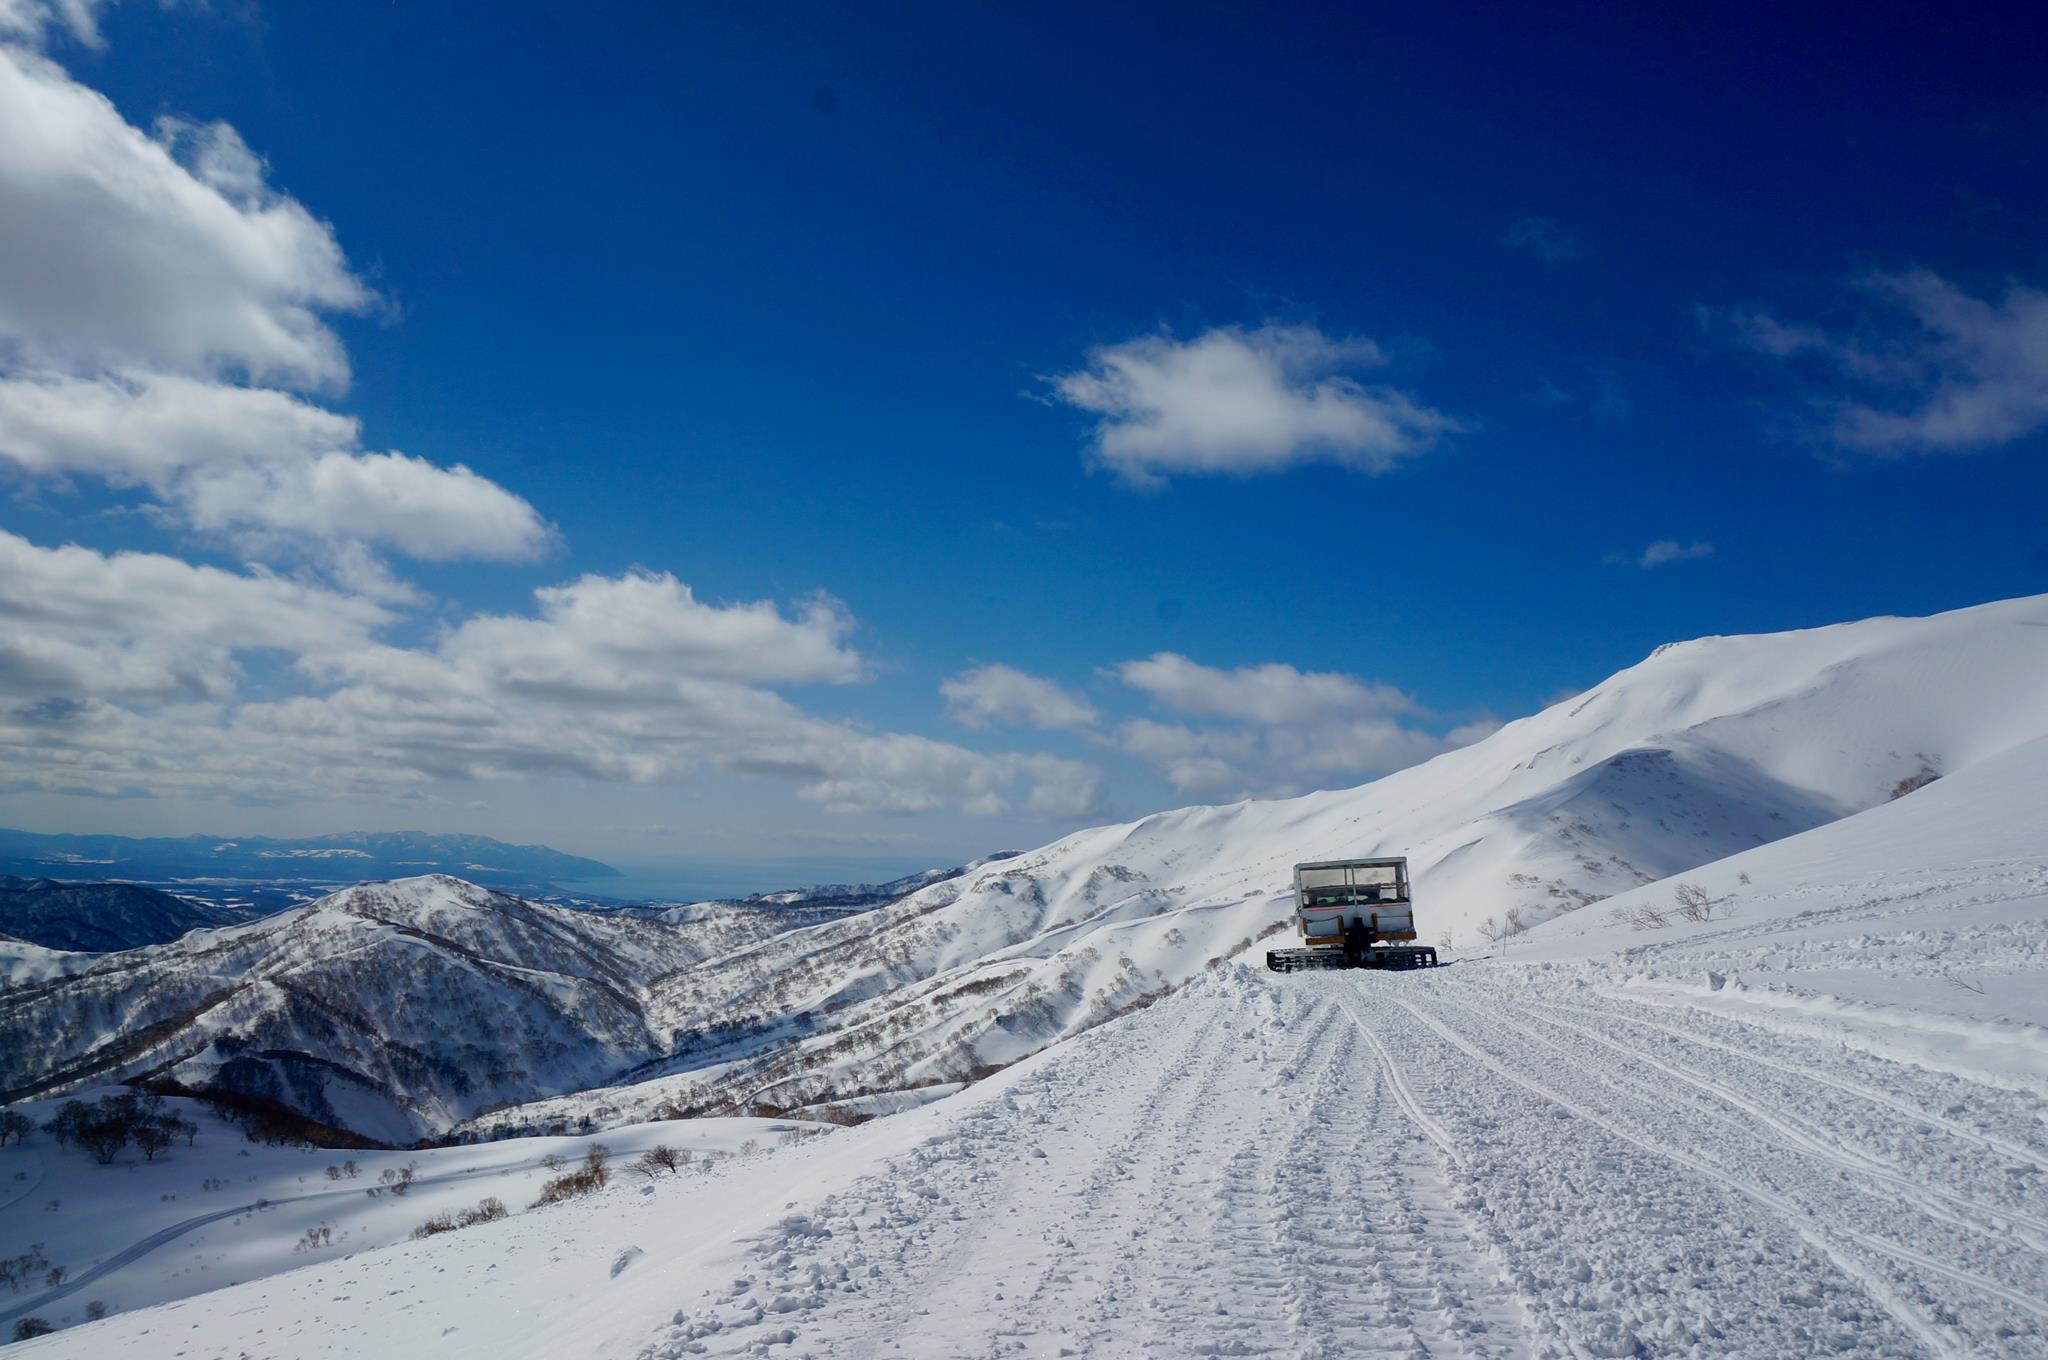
117, 254
598, 634
257, 464
140, 277
156, 296
1252, 762
125, 673
1273, 693
1295, 730
1544, 239
1660, 553
1243, 402
1003, 696
1929, 368
77, 624
30, 20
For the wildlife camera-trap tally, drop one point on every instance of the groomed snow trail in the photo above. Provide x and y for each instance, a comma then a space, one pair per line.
1241, 1178
1474, 1162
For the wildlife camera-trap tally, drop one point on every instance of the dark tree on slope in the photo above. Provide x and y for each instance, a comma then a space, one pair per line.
104, 1135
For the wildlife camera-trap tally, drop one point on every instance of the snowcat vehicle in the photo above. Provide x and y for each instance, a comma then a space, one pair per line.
1353, 913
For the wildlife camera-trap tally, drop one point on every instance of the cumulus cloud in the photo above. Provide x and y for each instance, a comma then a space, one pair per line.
80, 625
1243, 402
1003, 696
1273, 693
162, 309
1928, 368
150, 287
1281, 730
599, 631
125, 674
1660, 553
119, 252
1545, 239
257, 464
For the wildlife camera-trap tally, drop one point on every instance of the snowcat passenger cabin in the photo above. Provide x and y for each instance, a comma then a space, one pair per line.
1348, 911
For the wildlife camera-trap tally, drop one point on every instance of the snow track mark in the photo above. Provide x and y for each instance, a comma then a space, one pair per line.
1834, 1220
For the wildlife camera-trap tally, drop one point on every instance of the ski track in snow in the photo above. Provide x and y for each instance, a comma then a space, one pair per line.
1478, 1162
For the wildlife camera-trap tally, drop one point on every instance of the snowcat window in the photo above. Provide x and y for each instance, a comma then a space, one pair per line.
1343, 884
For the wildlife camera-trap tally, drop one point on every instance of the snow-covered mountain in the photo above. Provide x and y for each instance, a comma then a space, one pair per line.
408, 1008
1702, 750
1836, 1066
390, 1009
96, 917
1810, 1125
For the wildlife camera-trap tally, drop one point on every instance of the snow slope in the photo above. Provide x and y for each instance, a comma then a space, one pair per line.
1703, 750
1812, 1123
503, 1016
1494, 1160
222, 1211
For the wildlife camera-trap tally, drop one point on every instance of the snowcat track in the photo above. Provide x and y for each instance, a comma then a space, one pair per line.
1300, 960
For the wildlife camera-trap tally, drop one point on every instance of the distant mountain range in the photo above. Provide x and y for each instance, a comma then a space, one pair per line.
822, 900
347, 857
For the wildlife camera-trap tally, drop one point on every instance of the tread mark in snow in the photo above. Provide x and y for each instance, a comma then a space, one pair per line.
1801, 1138
2001, 1145
1811, 1232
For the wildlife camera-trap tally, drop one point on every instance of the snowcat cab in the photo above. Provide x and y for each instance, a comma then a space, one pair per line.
1353, 913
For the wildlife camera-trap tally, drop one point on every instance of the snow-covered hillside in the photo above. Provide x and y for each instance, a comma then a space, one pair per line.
225, 1210
98, 916
1806, 1125
390, 1009
1704, 749
1806, 1114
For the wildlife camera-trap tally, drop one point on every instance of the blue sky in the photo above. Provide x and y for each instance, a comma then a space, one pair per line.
1275, 396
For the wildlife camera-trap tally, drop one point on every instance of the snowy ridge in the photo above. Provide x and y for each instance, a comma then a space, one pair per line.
490, 1015
1703, 750
390, 1009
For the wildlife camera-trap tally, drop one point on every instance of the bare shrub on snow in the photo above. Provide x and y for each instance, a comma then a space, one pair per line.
1694, 905
661, 1158
488, 1210
16, 1271
589, 1178
1911, 782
